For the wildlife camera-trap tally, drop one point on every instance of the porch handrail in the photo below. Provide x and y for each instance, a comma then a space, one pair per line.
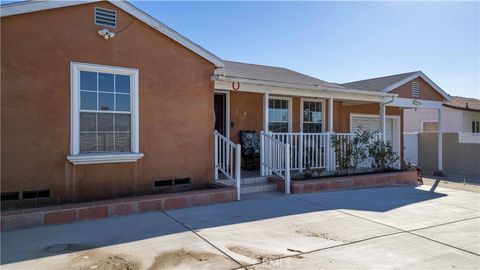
313, 150
306, 149
227, 160
275, 158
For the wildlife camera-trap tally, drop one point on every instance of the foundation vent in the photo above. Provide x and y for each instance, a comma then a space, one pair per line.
105, 17
171, 182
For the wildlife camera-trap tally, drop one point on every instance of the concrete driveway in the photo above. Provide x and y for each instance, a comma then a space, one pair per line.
379, 228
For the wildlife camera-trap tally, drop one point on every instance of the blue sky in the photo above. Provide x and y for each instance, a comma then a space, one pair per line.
339, 41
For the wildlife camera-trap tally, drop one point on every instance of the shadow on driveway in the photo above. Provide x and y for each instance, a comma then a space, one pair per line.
47, 241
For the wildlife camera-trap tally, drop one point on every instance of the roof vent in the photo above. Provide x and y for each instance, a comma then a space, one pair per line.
105, 17
415, 89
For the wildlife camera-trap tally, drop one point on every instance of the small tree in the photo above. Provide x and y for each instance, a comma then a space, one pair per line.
382, 155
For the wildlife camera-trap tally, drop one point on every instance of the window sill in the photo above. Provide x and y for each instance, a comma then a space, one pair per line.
104, 158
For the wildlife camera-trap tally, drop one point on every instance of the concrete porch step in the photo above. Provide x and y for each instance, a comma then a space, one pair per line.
258, 187
254, 180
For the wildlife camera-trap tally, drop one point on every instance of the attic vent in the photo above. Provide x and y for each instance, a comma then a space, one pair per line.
105, 17
415, 89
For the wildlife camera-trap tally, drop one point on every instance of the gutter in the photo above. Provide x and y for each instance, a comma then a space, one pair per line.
224, 78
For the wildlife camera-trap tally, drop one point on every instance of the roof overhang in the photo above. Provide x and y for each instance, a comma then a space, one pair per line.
461, 108
223, 82
33, 6
424, 77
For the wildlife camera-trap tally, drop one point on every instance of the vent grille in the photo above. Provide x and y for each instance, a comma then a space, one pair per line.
105, 17
415, 89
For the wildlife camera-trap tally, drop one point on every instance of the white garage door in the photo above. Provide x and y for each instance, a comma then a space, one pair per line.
373, 124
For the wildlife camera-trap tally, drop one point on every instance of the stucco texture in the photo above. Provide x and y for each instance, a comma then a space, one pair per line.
467, 165
426, 92
175, 104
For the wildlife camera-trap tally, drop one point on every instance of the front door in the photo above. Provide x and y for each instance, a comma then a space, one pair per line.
220, 106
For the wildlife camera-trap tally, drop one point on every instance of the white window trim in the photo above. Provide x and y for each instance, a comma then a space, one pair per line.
302, 100
75, 157
289, 99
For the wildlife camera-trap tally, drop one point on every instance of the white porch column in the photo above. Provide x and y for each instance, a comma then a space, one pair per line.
440, 143
330, 155
265, 112
330, 115
382, 121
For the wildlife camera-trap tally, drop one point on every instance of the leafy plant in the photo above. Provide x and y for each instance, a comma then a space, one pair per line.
351, 151
382, 154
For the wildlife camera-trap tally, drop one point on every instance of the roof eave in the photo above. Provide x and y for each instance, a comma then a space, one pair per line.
424, 77
226, 78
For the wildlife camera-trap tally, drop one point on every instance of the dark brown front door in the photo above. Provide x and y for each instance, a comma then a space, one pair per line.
220, 104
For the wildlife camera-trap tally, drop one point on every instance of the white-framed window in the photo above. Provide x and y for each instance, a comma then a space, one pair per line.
415, 89
104, 114
279, 114
475, 126
312, 115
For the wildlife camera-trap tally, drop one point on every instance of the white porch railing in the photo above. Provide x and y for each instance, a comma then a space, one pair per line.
227, 161
306, 149
347, 137
311, 150
275, 158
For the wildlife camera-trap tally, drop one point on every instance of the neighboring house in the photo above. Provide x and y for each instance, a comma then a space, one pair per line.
461, 114
416, 92
101, 100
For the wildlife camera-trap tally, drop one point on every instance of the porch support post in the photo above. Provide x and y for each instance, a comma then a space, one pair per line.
440, 143
330, 158
330, 114
382, 121
265, 112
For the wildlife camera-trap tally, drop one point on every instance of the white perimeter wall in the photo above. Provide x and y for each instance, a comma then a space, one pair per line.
452, 119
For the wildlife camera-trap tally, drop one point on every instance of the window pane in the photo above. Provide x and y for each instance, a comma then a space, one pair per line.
88, 122
105, 122
88, 100
122, 83
88, 80
88, 142
88, 132
105, 102
105, 82
278, 127
312, 127
316, 116
105, 132
122, 133
123, 103
122, 122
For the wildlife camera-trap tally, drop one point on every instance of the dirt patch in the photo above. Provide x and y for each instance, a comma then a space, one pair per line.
254, 254
171, 259
101, 260
323, 235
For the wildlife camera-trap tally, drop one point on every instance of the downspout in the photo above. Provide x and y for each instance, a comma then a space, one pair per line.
388, 102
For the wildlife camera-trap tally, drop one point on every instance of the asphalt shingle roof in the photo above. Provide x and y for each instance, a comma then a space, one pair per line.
461, 102
378, 84
269, 73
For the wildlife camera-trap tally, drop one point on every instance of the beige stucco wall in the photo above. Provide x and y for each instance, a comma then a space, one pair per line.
453, 120
175, 104
458, 158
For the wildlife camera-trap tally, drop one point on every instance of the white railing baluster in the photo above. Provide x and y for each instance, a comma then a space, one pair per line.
227, 159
